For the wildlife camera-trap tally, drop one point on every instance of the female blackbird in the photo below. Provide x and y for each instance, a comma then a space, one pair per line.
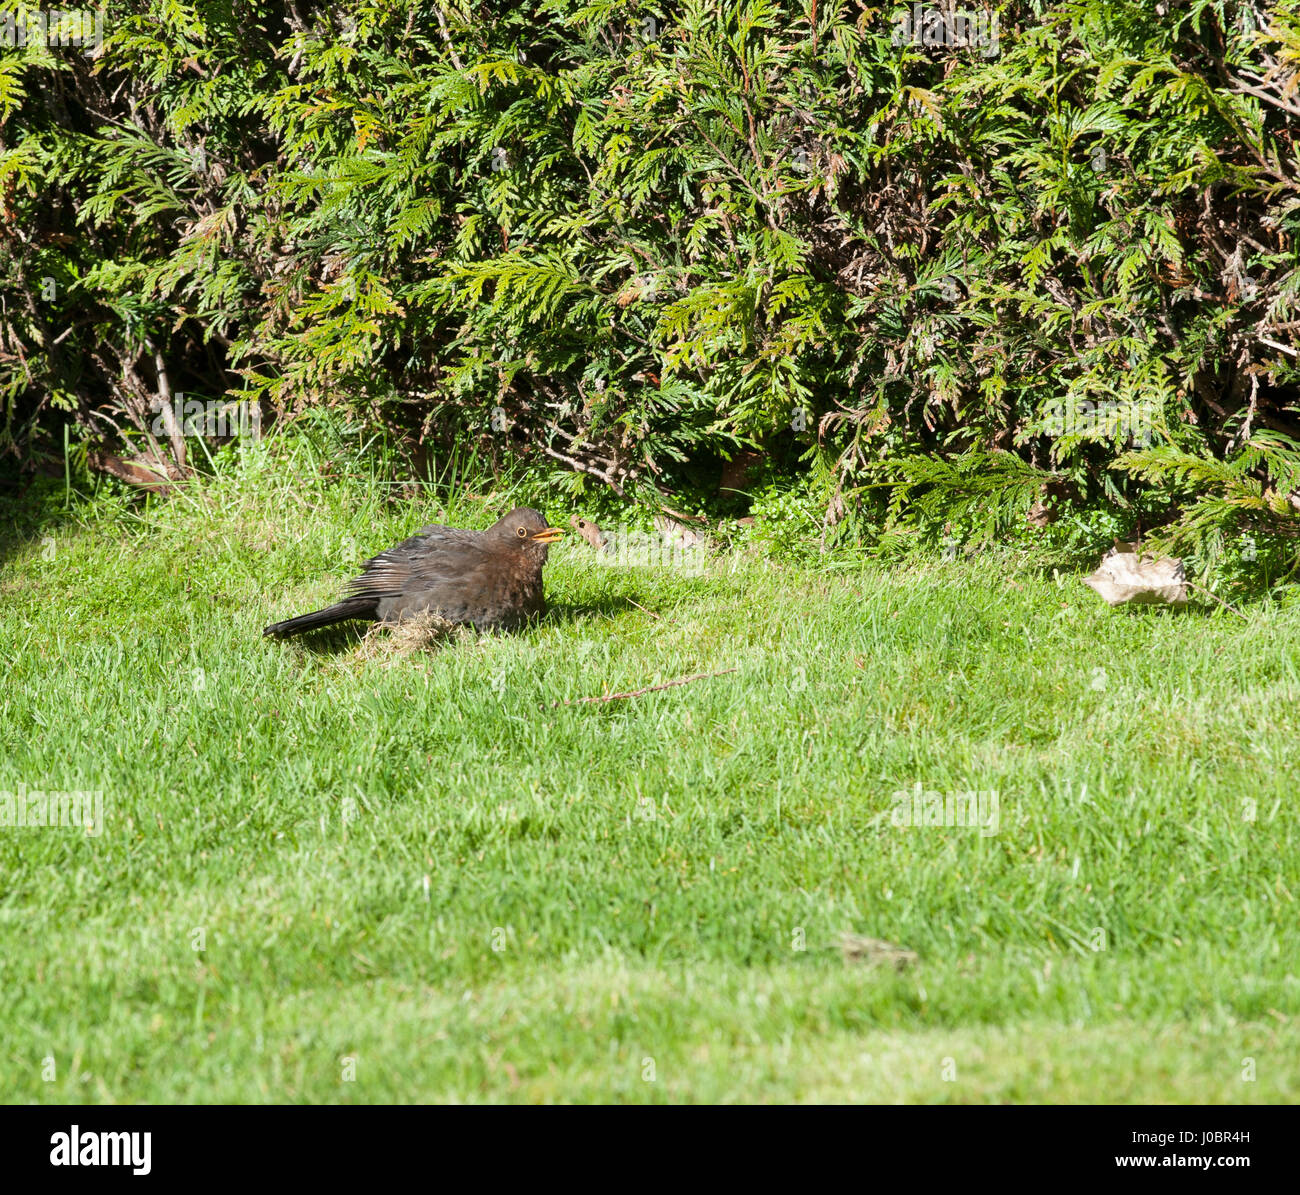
487, 579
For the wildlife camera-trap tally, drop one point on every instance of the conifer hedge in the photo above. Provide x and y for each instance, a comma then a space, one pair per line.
950, 268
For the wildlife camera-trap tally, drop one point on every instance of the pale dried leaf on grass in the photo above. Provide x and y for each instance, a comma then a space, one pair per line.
590, 532
1124, 577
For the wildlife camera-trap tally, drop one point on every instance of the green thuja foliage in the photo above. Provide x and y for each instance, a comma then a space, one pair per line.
937, 273
978, 492
1253, 492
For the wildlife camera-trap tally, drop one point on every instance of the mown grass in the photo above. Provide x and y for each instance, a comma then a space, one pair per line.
418, 877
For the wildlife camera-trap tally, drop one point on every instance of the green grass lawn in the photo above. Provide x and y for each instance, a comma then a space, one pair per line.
415, 876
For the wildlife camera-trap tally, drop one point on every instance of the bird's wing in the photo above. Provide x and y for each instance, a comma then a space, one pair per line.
434, 558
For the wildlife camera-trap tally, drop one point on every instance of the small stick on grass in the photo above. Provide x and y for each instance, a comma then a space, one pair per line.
682, 680
1217, 598
643, 609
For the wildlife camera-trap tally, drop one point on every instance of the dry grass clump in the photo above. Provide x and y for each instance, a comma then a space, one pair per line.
874, 952
421, 632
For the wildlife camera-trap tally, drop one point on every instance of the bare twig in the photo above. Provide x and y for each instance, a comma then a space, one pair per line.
683, 680
1217, 598
134, 391
174, 431
584, 467
446, 37
680, 516
1244, 88
1273, 344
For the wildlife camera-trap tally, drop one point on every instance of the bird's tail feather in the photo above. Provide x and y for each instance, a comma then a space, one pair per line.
355, 607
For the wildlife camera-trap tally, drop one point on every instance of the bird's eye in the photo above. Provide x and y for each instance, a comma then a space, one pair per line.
523, 532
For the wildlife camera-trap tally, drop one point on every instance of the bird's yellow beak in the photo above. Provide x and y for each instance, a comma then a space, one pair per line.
547, 535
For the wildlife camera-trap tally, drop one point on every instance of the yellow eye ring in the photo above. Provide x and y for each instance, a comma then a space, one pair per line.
523, 532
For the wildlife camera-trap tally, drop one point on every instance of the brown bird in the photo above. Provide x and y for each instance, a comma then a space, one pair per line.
486, 579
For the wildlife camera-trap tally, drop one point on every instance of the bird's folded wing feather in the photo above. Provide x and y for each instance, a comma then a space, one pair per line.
433, 558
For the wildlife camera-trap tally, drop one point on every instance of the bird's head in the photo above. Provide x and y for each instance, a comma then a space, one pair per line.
528, 530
